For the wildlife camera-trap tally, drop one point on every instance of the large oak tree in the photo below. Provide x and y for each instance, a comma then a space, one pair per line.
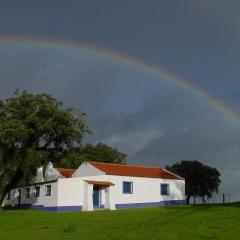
33, 129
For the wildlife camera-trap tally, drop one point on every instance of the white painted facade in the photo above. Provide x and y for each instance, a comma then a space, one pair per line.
75, 193
51, 173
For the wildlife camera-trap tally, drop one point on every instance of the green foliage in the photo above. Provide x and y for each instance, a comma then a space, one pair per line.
201, 180
33, 129
88, 152
163, 223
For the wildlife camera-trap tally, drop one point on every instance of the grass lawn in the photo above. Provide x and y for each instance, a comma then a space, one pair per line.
183, 222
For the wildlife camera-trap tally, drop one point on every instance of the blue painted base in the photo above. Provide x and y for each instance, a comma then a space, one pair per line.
54, 208
118, 206
150, 204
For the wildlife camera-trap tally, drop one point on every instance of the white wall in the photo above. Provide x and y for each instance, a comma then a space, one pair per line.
70, 192
46, 201
145, 190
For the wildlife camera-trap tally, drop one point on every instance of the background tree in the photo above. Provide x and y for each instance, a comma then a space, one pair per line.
201, 180
207, 188
88, 152
34, 129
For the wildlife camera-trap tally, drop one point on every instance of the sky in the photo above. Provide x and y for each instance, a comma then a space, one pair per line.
152, 119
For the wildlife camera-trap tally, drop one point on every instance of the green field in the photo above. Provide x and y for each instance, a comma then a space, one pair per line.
201, 222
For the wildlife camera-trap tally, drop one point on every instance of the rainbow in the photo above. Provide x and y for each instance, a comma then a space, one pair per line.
178, 81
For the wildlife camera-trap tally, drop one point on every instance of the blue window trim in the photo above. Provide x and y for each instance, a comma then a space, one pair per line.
131, 187
168, 189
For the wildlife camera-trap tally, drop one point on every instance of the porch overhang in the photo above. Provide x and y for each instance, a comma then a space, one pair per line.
99, 183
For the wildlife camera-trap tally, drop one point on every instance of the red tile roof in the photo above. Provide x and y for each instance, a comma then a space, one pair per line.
134, 171
66, 172
99, 183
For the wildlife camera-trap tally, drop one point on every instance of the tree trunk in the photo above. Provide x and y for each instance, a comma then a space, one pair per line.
12, 184
188, 199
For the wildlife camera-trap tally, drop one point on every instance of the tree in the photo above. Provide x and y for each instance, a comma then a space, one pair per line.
201, 180
88, 152
34, 129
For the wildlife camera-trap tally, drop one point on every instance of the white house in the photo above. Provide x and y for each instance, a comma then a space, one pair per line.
97, 185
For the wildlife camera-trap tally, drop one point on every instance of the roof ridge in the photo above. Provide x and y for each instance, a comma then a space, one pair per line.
118, 164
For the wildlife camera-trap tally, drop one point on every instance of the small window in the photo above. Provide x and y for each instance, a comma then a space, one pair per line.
27, 192
164, 189
48, 190
127, 187
9, 196
37, 191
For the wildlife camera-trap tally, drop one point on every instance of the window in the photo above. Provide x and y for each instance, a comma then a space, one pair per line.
164, 189
48, 190
37, 191
27, 192
127, 187
8, 196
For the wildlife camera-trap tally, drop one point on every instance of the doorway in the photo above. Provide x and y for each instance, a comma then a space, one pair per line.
96, 196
